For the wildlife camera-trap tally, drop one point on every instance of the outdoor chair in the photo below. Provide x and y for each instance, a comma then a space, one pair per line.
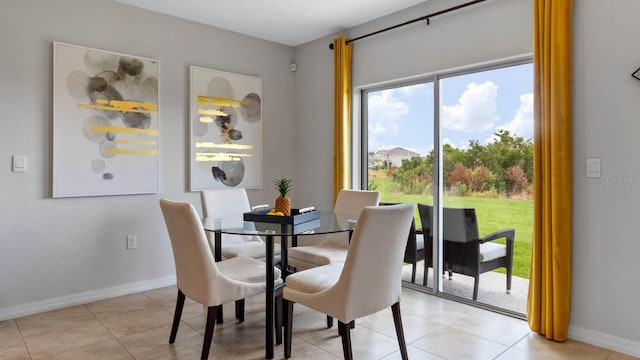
415, 249
465, 252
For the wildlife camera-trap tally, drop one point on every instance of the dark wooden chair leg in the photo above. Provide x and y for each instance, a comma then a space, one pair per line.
413, 273
288, 331
240, 310
397, 320
426, 274
278, 322
212, 313
329, 322
176, 317
475, 287
219, 317
345, 333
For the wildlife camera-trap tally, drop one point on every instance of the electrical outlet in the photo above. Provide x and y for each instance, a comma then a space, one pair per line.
132, 242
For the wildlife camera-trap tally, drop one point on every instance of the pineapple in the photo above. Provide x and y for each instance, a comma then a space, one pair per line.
283, 203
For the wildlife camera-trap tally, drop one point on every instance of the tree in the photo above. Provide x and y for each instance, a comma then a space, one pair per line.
479, 167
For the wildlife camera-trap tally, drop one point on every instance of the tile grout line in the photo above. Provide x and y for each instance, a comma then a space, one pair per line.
24, 343
109, 331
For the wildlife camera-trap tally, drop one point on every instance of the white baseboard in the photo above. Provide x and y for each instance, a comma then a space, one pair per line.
607, 341
16, 311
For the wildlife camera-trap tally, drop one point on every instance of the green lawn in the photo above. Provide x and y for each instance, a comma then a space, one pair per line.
493, 215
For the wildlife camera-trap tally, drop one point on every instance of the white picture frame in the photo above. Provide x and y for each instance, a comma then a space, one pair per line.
225, 130
105, 123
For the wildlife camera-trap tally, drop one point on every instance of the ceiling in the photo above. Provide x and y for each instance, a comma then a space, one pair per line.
289, 22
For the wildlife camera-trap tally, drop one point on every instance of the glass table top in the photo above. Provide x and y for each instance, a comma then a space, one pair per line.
233, 223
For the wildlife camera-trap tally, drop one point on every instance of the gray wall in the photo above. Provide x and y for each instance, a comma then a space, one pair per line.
60, 251
606, 110
606, 107
56, 252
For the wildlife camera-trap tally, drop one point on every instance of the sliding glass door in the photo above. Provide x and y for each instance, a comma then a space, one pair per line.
473, 151
399, 137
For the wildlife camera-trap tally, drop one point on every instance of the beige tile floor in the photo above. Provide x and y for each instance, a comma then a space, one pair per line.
137, 327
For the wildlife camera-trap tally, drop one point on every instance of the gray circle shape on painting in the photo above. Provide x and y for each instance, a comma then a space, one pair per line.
220, 87
105, 146
90, 123
98, 166
250, 108
234, 172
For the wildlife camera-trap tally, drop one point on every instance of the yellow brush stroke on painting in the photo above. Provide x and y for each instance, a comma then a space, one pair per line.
213, 157
206, 119
212, 112
118, 129
137, 142
221, 156
223, 153
219, 101
125, 106
211, 145
116, 151
102, 101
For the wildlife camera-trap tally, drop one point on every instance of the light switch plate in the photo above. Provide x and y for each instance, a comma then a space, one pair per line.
594, 167
19, 164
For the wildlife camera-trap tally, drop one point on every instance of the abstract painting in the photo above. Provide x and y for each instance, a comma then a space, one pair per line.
105, 123
226, 130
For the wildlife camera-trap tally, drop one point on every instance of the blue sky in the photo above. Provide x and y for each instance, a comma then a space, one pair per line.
474, 106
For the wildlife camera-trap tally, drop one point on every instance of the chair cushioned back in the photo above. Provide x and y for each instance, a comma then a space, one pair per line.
459, 225
350, 202
222, 202
372, 271
426, 218
195, 266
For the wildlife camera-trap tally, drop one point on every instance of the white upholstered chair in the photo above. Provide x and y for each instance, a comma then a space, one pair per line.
333, 248
199, 277
221, 202
368, 281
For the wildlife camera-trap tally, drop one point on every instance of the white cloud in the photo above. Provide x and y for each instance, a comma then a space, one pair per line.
476, 109
384, 115
463, 145
522, 122
412, 89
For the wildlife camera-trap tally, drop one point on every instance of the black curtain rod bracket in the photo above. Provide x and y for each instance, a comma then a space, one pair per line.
425, 17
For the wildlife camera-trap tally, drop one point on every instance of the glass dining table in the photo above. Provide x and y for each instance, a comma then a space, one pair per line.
233, 223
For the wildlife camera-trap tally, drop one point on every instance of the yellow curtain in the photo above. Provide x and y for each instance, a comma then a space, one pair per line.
549, 299
342, 115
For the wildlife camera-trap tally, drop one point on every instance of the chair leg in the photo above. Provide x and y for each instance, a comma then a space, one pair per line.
212, 313
345, 333
219, 317
176, 317
413, 273
475, 287
240, 310
288, 331
426, 274
397, 320
329, 322
509, 272
278, 322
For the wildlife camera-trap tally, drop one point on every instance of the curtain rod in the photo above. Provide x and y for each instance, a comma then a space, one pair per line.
425, 17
